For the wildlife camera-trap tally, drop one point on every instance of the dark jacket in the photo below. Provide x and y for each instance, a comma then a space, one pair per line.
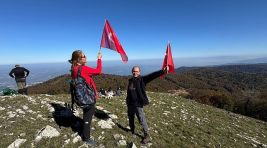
136, 92
19, 73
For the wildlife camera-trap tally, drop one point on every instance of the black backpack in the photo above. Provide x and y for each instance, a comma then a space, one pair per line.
82, 93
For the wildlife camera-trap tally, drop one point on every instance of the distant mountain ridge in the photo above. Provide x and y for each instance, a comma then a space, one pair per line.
41, 72
254, 61
247, 68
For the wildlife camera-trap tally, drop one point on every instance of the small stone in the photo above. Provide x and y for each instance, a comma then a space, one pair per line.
47, 132
25, 107
106, 124
117, 136
17, 143
121, 143
112, 116
67, 141
22, 134
76, 139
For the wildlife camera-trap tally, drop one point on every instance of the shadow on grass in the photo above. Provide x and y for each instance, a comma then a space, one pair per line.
101, 114
64, 116
127, 130
104, 116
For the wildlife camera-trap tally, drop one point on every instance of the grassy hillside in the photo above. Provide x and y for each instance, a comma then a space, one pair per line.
232, 88
238, 88
173, 121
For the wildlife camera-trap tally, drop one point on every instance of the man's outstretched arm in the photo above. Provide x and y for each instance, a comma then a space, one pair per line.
154, 75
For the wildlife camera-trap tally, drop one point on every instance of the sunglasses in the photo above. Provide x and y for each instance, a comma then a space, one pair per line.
83, 56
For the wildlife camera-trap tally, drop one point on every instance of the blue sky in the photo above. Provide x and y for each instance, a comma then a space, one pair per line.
40, 31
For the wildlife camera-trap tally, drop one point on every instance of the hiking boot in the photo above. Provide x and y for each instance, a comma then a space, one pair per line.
146, 139
90, 142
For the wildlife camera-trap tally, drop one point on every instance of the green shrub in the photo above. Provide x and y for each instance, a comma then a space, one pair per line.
8, 91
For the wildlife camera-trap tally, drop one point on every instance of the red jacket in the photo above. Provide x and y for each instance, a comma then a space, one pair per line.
87, 72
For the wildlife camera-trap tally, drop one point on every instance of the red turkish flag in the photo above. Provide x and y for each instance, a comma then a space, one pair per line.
168, 61
110, 40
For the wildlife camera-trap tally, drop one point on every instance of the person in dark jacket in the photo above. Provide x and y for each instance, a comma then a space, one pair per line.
20, 74
137, 98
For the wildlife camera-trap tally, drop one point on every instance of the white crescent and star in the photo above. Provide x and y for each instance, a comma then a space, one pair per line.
110, 37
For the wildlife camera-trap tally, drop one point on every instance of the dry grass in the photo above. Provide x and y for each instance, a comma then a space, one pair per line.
173, 122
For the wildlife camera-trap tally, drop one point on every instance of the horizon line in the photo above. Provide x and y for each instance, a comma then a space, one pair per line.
117, 60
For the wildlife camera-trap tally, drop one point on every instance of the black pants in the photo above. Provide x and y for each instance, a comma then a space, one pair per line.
88, 113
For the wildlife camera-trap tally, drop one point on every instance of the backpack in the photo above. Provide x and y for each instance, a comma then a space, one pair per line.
82, 93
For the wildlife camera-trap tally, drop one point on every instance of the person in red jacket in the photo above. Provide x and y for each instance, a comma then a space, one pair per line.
79, 59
